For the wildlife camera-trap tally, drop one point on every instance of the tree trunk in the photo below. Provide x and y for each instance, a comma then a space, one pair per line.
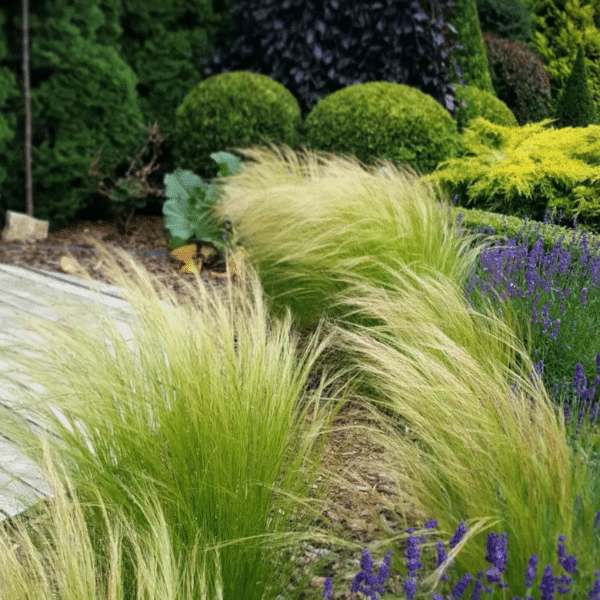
26, 95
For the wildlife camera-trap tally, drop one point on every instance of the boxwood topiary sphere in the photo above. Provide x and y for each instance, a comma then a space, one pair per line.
480, 103
383, 119
236, 109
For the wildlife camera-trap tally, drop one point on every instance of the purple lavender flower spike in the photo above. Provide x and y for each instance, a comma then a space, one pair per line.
372, 585
413, 561
458, 534
594, 412
595, 591
496, 551
578, 380
410, 587
555, 330
547, 584
539, 368
477, 587
530, 572
597, 519
546, 308
431, 524
366, 562
461, 587
568, 563
384, 569
442, 555
582, 296
328, 589
563, 582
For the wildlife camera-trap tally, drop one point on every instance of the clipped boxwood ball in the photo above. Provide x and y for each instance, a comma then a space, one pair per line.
233, 110
480, 103
383, 119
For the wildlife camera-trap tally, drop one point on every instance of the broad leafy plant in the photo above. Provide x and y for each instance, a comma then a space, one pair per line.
187, 211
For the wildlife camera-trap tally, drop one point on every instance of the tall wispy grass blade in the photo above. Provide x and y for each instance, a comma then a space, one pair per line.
204, 413
484, 440
309, 218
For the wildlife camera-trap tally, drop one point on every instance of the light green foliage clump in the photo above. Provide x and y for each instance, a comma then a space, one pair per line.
195, 447
308, 219
472, 58
576, 107
559, 31
233, 109
480, 103
477, 450
526, 171
383, 119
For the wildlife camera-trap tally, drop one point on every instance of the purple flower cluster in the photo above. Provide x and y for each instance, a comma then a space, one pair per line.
496, 556
557, 290
512, 269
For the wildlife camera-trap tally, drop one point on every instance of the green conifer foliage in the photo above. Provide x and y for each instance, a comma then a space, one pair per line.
560, 28
83, 99
162, 42
472, 59
576, 107
8, 93
509, 19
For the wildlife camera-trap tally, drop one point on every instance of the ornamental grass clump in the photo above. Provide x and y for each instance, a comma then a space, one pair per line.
471, 430
309, 218
189, 439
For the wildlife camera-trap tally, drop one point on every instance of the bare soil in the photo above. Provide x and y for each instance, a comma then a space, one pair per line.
364, 502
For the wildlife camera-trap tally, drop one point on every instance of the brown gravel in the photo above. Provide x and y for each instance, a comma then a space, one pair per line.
364, 494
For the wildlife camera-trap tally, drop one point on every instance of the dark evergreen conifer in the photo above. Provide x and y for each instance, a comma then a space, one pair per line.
576, 106
83, 99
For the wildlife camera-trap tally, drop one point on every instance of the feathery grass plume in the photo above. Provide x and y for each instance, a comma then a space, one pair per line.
484, 440
308, 218
194, 428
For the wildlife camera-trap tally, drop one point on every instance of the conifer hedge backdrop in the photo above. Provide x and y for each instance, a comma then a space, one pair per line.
104, 70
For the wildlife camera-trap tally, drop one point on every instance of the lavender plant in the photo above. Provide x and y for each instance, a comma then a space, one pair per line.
555, 296
489, 581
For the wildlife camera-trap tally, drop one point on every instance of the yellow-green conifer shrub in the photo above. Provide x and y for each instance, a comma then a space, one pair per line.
523, 171
480, 103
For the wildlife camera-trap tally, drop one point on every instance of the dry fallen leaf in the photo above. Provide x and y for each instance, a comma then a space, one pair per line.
186, 254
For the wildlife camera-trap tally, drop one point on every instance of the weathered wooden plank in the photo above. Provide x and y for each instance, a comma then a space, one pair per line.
27, 292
